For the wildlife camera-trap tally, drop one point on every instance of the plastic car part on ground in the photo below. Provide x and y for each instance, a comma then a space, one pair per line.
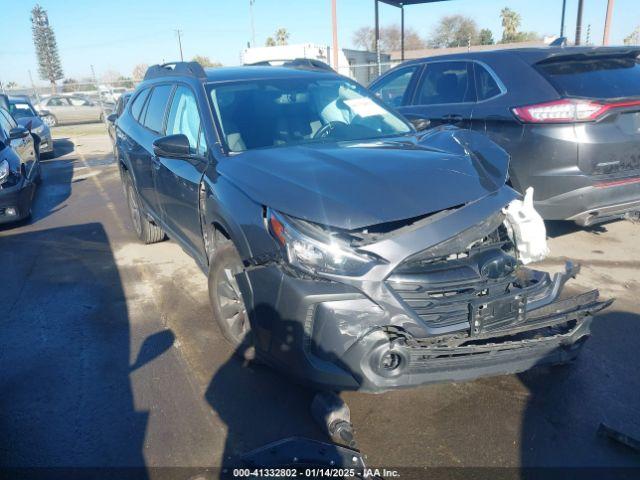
528, 229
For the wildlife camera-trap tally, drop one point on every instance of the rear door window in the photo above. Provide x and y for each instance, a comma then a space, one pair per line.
156, 107
393, 88
601, 77
446, 83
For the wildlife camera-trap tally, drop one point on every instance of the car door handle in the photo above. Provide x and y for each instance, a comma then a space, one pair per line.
452, 118
156, 162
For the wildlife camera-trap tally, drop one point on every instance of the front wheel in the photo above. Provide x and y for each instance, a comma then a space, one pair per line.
229, 309
147, 231
50, 121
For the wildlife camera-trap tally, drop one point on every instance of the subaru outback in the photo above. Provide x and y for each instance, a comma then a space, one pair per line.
343, 246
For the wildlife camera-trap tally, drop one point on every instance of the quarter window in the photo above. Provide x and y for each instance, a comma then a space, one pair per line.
157, 105
446, 83
184, 117
486, 85
393, 88
138, 103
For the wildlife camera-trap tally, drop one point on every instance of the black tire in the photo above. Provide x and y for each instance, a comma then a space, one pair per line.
228, 307
147, 231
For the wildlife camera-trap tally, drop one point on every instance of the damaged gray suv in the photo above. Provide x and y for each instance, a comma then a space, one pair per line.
341, 245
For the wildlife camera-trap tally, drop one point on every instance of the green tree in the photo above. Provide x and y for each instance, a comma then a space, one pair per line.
205, 61
633, 38
139, 71
270, 42
486, 37
282, 36
70, 85
11, 85
44, 39
455, 31
510, 25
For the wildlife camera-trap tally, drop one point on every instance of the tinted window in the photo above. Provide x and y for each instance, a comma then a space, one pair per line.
21, 110
296, 111
184, 117
9, 119
57, 102
138, 103
594, 78
80, 102
154, 115
392, 88
4, 124
446, 82
486, 85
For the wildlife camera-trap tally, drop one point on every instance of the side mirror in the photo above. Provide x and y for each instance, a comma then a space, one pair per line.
420, 124
112, 117
176, 146
18, 133
43, 113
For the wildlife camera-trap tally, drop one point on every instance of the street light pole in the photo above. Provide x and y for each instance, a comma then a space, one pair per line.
253, 25
179, 34
564, 9
579, 22
334, 20
607, 23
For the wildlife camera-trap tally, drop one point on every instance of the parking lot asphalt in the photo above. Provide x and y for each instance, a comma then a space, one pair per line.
110, 356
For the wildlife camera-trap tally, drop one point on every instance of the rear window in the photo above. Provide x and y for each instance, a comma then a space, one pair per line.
602, 78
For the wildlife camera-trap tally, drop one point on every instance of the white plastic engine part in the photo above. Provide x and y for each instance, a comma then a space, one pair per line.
527, 228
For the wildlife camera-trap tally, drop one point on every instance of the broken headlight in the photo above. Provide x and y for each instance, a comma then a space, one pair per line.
4, 171
314, 250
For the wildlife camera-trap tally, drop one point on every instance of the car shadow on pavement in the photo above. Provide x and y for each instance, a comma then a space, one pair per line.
67, 399
567, 403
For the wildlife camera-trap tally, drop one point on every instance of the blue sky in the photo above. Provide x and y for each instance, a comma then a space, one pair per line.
118, 34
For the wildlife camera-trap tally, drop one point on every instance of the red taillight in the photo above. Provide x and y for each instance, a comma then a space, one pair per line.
567, 111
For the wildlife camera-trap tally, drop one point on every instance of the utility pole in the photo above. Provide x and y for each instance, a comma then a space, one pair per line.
253, 25
607, 22
179, 35
579, 22
564, 9
334, 20
588, 40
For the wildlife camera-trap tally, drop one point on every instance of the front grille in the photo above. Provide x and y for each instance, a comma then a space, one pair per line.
448, 290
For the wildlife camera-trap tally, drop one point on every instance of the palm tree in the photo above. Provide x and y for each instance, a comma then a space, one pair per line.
510, 24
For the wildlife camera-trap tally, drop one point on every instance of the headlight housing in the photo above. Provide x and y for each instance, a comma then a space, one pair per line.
5, 171
314, 250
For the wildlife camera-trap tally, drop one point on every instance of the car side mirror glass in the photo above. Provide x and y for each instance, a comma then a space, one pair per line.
420, 124
18, 133
111, 118
176, 146
43, 113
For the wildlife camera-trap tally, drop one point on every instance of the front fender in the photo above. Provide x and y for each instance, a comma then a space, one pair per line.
225, 205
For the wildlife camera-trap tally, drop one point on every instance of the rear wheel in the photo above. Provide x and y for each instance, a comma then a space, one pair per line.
147, 231
227, 304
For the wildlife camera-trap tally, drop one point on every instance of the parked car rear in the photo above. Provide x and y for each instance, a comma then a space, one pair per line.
568, 117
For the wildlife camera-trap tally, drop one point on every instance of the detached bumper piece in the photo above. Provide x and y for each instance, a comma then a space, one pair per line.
551, 334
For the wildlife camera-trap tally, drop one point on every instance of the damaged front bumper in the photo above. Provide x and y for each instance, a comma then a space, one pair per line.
447, 304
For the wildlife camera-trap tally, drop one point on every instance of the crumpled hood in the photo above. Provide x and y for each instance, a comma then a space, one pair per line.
351, 185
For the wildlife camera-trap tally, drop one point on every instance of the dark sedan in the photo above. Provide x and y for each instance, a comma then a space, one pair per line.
568, 117
19, 169
24, 113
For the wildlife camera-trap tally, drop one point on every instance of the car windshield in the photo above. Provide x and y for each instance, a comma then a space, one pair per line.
21, 110
294, 111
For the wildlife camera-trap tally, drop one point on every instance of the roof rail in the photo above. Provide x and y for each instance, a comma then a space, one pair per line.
190, 69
